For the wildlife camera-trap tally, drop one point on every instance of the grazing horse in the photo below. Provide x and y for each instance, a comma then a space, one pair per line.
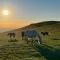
31, 35
44, 33
12, 36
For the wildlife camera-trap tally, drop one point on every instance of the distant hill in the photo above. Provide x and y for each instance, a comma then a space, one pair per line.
41, 26
45, 23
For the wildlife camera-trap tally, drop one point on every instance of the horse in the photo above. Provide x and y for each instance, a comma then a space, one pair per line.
12, 36
31, 35
44, 33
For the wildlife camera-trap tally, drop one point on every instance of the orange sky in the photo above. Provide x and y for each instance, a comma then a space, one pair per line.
13, 23
10, 22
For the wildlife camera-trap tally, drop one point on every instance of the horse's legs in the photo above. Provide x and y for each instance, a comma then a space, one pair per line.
26, 38
40, 41
27, 41
22, 37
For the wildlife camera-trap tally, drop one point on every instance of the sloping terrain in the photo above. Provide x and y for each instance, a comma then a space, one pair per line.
46, 24
20, 50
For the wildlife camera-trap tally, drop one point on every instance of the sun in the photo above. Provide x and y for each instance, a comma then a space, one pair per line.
5, 12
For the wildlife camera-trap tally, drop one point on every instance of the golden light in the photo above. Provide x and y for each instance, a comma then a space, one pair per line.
5, 12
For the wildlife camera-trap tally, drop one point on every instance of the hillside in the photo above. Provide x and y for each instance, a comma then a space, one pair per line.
20, 50
49, 25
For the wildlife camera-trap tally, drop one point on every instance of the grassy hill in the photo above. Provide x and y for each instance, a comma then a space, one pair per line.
46, 24
49, 50
52, 27
49, 26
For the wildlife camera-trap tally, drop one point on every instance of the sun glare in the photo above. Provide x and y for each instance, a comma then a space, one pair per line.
5, 12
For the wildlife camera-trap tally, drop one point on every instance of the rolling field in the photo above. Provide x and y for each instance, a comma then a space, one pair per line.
48, 50
17, 50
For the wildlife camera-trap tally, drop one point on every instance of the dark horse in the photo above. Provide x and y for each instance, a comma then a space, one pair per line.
12, 36
44, 33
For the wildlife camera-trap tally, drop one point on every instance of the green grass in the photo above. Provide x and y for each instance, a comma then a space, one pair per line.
17, 50
48, 50
21, 51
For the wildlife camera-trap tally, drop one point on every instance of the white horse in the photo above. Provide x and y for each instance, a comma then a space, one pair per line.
32, 35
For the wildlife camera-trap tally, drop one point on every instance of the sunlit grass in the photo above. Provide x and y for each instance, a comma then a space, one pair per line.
21, 51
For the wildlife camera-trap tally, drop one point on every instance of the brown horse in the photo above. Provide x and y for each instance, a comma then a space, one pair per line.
12, 36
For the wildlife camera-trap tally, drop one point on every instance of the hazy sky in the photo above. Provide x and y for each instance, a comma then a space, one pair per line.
31, 10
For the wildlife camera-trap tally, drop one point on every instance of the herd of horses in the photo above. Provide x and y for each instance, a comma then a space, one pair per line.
29, 36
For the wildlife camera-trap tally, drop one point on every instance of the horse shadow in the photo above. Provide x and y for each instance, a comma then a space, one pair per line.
48, 52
